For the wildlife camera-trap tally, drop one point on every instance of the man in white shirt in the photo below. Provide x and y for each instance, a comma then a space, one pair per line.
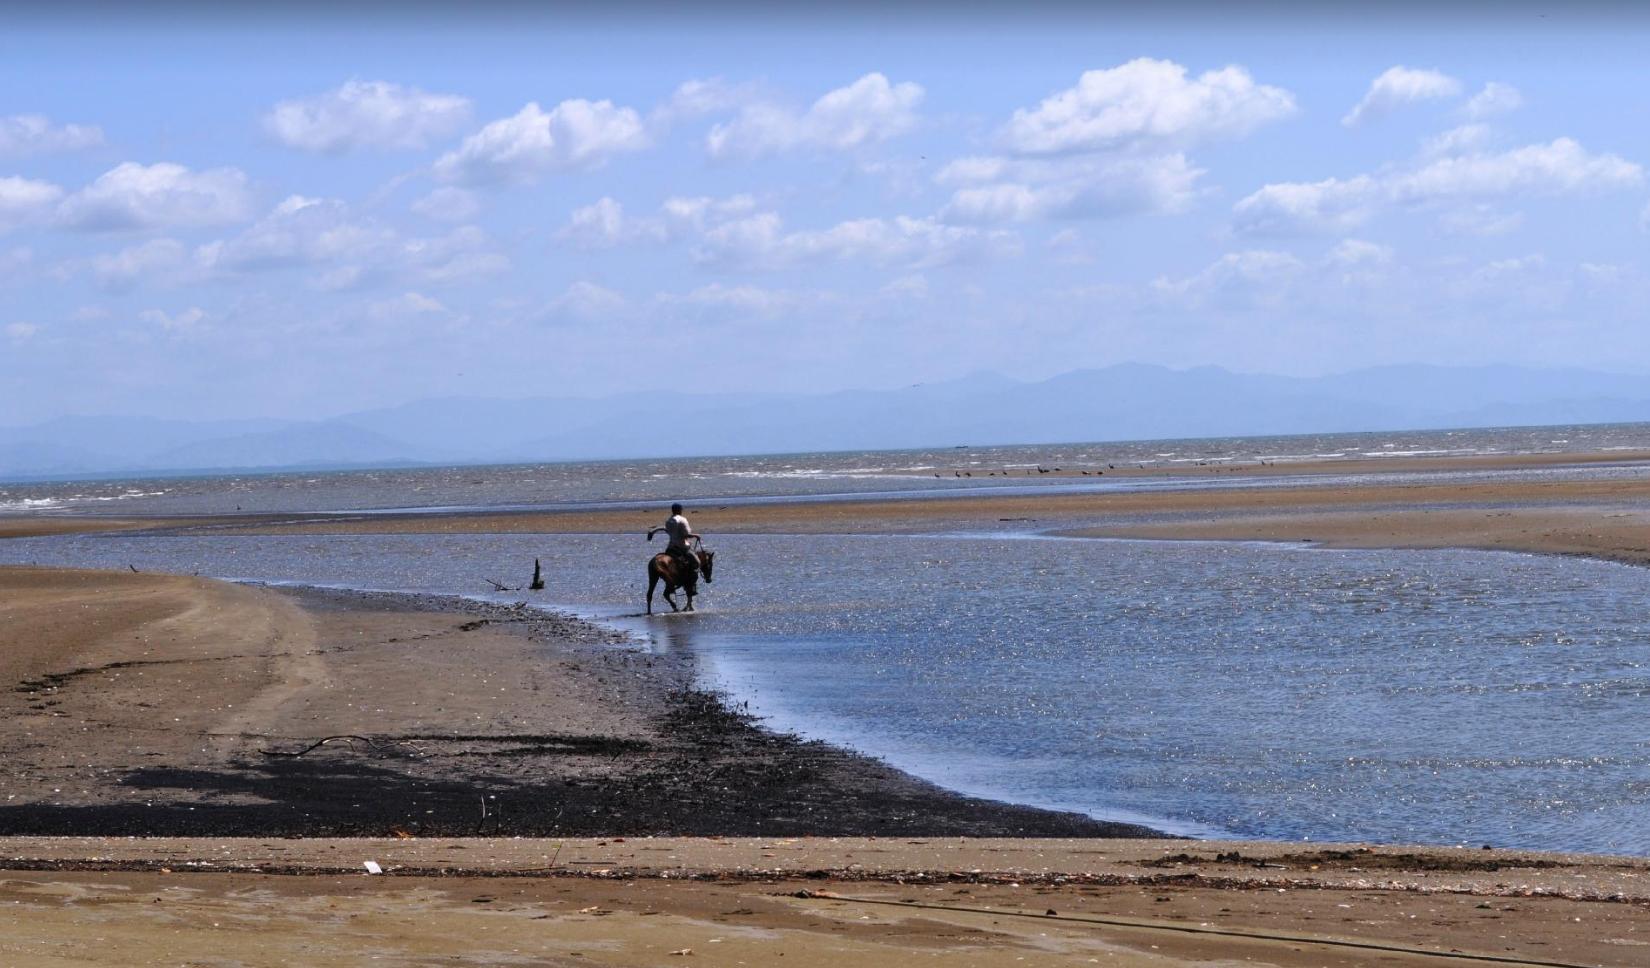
680, 534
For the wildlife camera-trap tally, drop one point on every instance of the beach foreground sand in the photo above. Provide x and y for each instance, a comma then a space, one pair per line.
86, 901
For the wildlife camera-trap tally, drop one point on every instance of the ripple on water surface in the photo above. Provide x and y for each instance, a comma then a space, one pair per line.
1436, 696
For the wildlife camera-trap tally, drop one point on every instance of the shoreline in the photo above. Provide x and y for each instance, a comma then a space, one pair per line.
542, 725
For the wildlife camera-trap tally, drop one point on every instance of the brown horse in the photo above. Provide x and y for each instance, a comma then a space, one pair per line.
664, 566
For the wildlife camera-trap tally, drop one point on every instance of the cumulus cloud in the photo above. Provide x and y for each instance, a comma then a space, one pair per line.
1266, 279
719, 299
1020, 190
1254, 276
1457, 141
1398, 86
351, 251
155, 262
366, 114
24, 201
20, 333
405, 305
33, 134
1331, 205
1107, 147
604, 224
697, 98
1559, 167
586, 302
1146, 102
868, 111
447, 204
573, 135
1495, 99
1480, 220
134, 196
761, 242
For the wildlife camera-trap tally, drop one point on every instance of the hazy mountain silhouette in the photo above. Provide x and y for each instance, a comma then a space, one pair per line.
1123, 402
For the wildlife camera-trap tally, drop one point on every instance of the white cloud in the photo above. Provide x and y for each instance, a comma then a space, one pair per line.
586, 302
352, 251
20, 333
1495, 99
697, 98
575, 134
31, 134
1560, 167
183, 321
1359, 252
447, 204
868, 111
1266, 279
24, 201
1456, 141
1398, 86
1019, 190
760, 242
604, 224
1331, 205
1146, 102
738, 300
1254, 276
914, 286
366, 114
157, 261
1480, 220
405, 305
134, 196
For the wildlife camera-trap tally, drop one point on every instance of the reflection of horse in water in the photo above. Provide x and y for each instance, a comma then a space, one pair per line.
666, 567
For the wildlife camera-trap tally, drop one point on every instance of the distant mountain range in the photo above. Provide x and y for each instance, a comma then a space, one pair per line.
1124, 402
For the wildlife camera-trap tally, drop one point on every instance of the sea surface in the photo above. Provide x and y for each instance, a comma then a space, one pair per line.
1239, 689
789, 476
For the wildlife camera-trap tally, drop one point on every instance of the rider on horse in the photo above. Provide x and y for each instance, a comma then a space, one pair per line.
680, 533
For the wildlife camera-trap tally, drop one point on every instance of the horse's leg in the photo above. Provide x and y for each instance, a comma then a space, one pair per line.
652, 583
692, 590
670, 590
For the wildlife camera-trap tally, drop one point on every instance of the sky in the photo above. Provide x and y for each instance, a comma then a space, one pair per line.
327, 207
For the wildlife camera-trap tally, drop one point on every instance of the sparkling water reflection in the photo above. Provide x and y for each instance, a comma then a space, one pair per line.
1257, 690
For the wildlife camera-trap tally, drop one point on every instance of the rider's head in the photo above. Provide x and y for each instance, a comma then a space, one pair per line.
675, 509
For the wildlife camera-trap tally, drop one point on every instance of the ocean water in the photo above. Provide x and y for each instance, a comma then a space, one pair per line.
780, 476
1207, 688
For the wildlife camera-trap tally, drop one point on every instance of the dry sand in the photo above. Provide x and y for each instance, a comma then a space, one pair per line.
808, 902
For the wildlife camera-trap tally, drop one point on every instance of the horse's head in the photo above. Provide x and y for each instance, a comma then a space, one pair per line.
707, 560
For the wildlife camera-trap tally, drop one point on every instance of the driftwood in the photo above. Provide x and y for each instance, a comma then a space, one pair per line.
538, 578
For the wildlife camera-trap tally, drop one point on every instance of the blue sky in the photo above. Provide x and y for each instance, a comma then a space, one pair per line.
301, 215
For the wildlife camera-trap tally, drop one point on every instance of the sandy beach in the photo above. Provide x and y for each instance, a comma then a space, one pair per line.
168, 706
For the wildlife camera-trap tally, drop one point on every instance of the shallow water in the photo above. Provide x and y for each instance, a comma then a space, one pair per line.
1245, 689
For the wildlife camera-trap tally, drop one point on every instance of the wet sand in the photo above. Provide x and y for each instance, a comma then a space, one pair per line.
154, 704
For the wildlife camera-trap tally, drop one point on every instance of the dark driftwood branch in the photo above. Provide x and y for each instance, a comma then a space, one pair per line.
317, 745
498, 586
